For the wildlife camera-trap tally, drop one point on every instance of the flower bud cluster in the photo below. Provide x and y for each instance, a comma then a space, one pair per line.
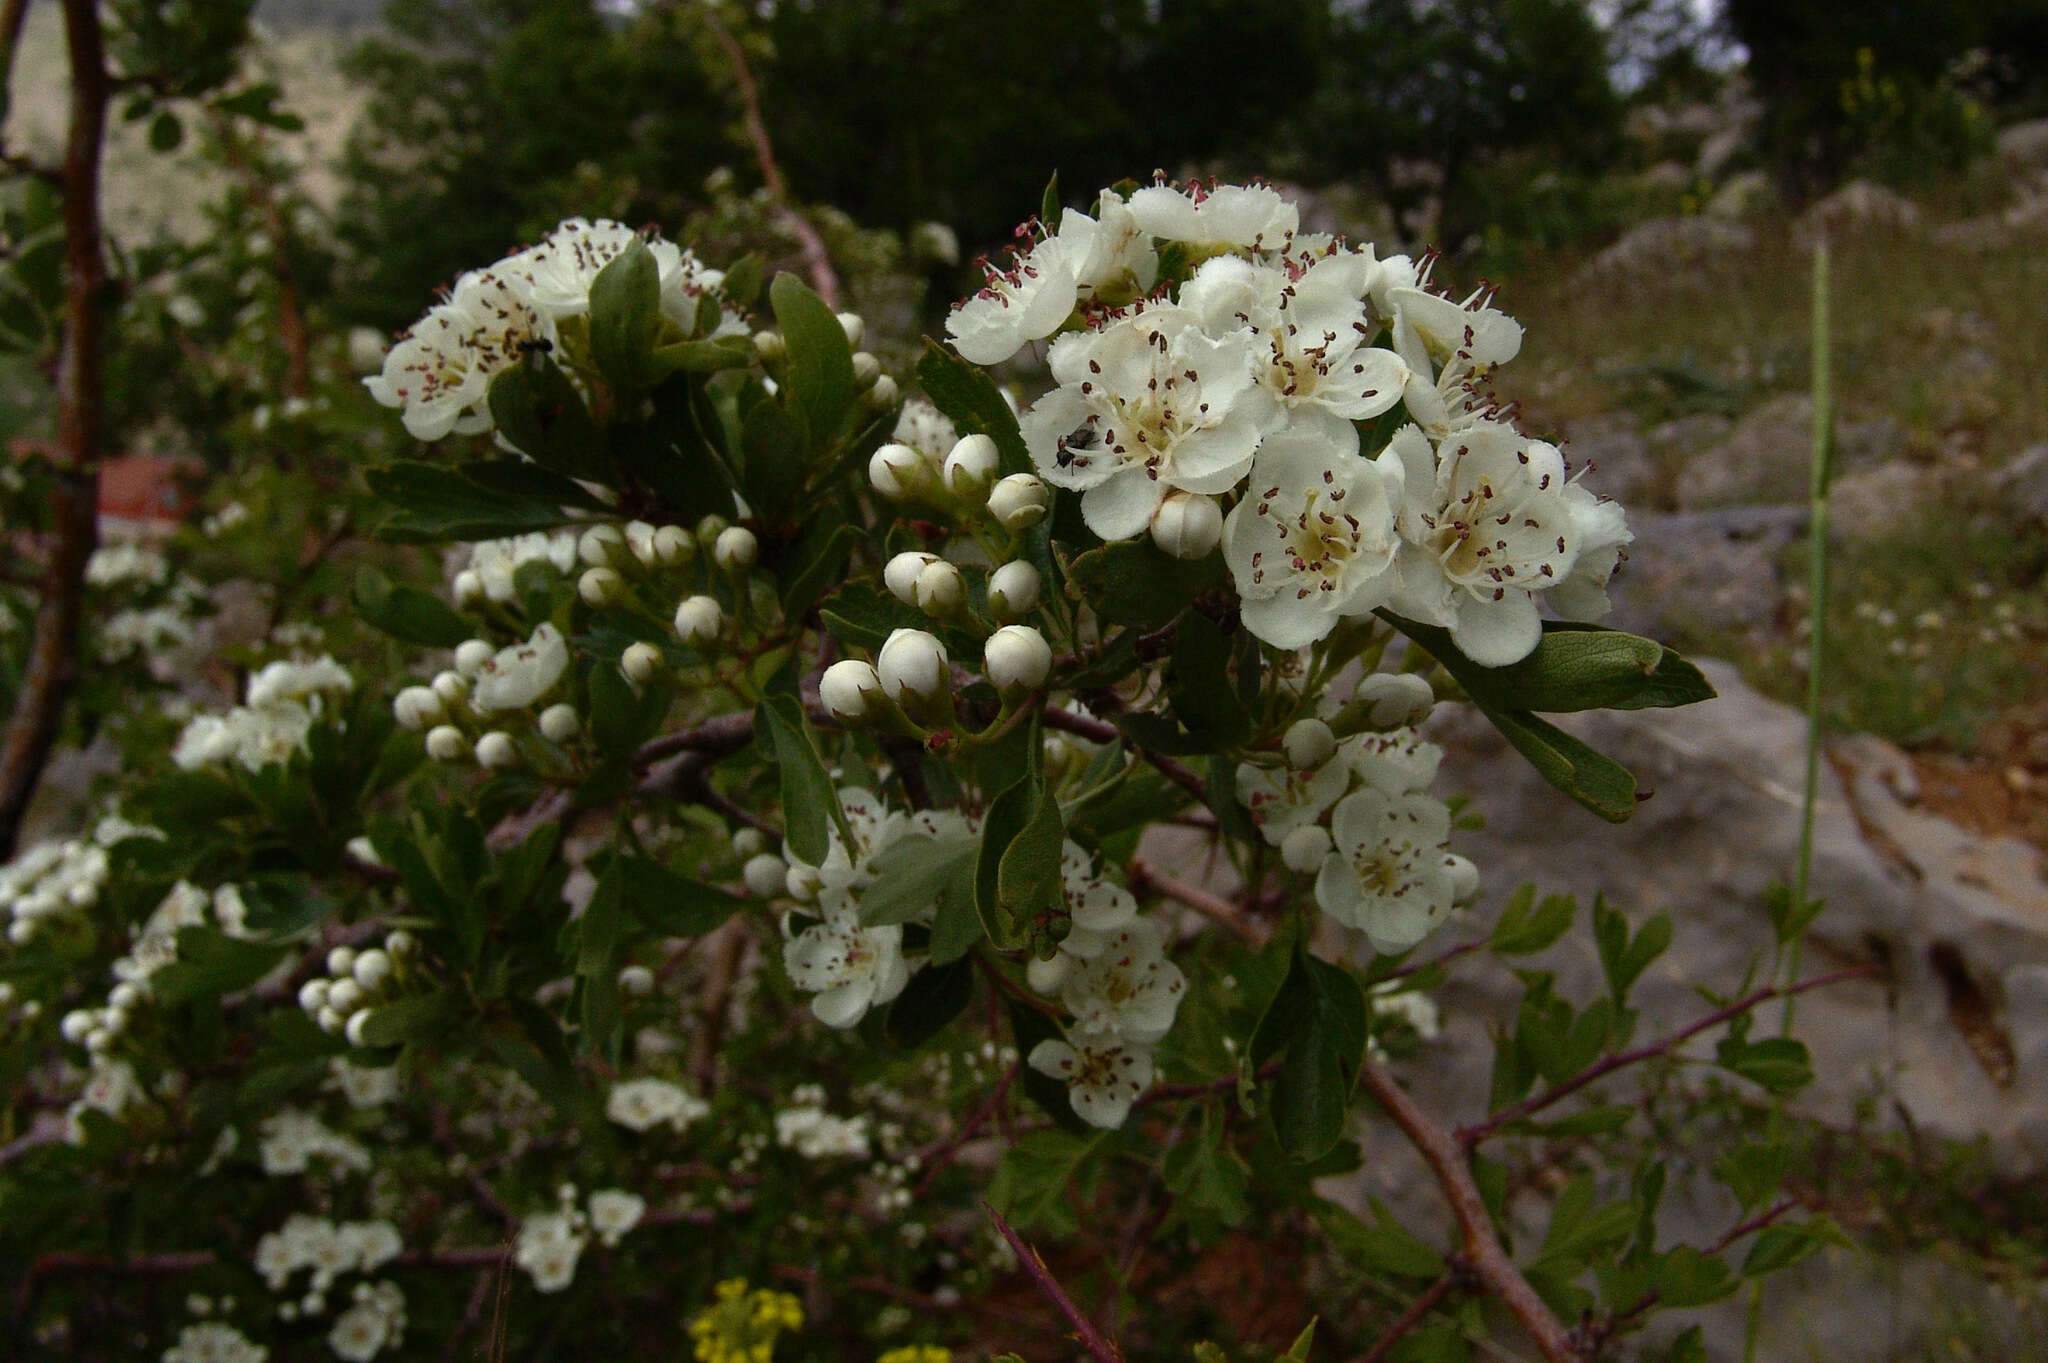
344, 1000
99, 1030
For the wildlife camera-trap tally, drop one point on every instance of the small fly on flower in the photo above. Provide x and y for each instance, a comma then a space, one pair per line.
1082, 437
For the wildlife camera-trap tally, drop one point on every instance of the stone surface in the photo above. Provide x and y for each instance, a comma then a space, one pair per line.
1664, 244
2024, 146
1715, 571
2020, 487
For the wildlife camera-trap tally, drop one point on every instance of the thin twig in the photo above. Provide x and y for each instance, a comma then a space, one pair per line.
1470, 1136
1410, 1318
1100, 1349
1594, 1337
1098, 731
936, 1157
1447, 1159
1143, 875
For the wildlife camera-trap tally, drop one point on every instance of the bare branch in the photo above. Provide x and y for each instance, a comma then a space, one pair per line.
1098, 731
1143, 875
1409, 1319
1100, 1349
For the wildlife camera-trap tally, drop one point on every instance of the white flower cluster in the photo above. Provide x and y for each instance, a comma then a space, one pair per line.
643, 1104
850, 966
54, 881
1357, 814
374, 1320
126, 563
109, 1090
329, 1249
494, 564
344, 999
440, 370
362, 1085
815, 1134
486, 689
290, 1140
1246, 383
549, 1244
154, 947
213, 1341
1112, 977
281, 704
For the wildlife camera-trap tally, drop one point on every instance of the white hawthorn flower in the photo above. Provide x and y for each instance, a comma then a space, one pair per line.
613, 1212
1449, 349
1600, 529
1149, 404
643, 1104
1394, 699
1393, 763
851, 968
1226, 217
1485, 524
520, 675
845, 689
1102, 1079
1388, 874
1313, 538
1130, 991
1187, 525
699, 621
435, 376
1117, 262
1024, 303
1281, 799
971, 465
1017, 658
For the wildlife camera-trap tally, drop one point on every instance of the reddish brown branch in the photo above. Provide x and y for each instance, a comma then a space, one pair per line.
1142, 875
52, 667
1099, 1349
1409, 1319
937, 1157
1098, 731
1481, 1247
1470, 1136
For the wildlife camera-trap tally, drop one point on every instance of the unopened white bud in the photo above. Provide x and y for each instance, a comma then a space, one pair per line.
99, 1040
1304, 849
1187, 525
559, 723
802, 883
1013, 590
855, 328
123, 995
912, 665
471, 655
1047, 976
341, 961
445, 743
597, 545
373, 968
636, 980
735, 549
345, 997
330, 1021
674, 546
641, 663
451, 687
845, 689
1017, 658
640, 542
748, 841
890, 467
1464, 878
357, 1029
77, 1024
709, 529
417, 707
883, 394
600, 586
496, 751
1019, 501
1396, 698
1309, 744
939, 590
399, 942
313, 994
469, 588
699, 621
866, 369
900, 574
770, 346
972, 465
766, 875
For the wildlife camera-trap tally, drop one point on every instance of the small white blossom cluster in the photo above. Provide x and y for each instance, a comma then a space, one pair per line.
289, 1141
15, 1009
213, 1341
1246, 383
126, 563
1409, 1008
60, 880
344, 999
1112, 977
815, 1134
1357, 815
440, 370
218, 523
549, 1244
494, 565
327, 1248
374, 1320
850, 966
643, 1104
468, 711
362, 1085
110, 1090
282, 702
154, 947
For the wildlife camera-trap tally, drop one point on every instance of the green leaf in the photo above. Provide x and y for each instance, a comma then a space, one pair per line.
419, 1018
1134, 582
1317, 1025
707, 356
1203, 698
1782, 1246
810, 802
1209, 1182
1298, 1351
1049, 207
211, 963
741, 286
623, 716
1006, 817
970, 398
1574, 667
1579, 1233
1780, 1064
166, 132
1686, 1277
912, 875
539, 413
407, 613
1526, 927
864, 615
1030, 890
934, 997
1622, 957
772, 468
1596, 781
1031, 1181
427, 503
820, 369
1754, 1172
956, 928
625, 317
1382, 1245
821, 561
1789, 920
671, 904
